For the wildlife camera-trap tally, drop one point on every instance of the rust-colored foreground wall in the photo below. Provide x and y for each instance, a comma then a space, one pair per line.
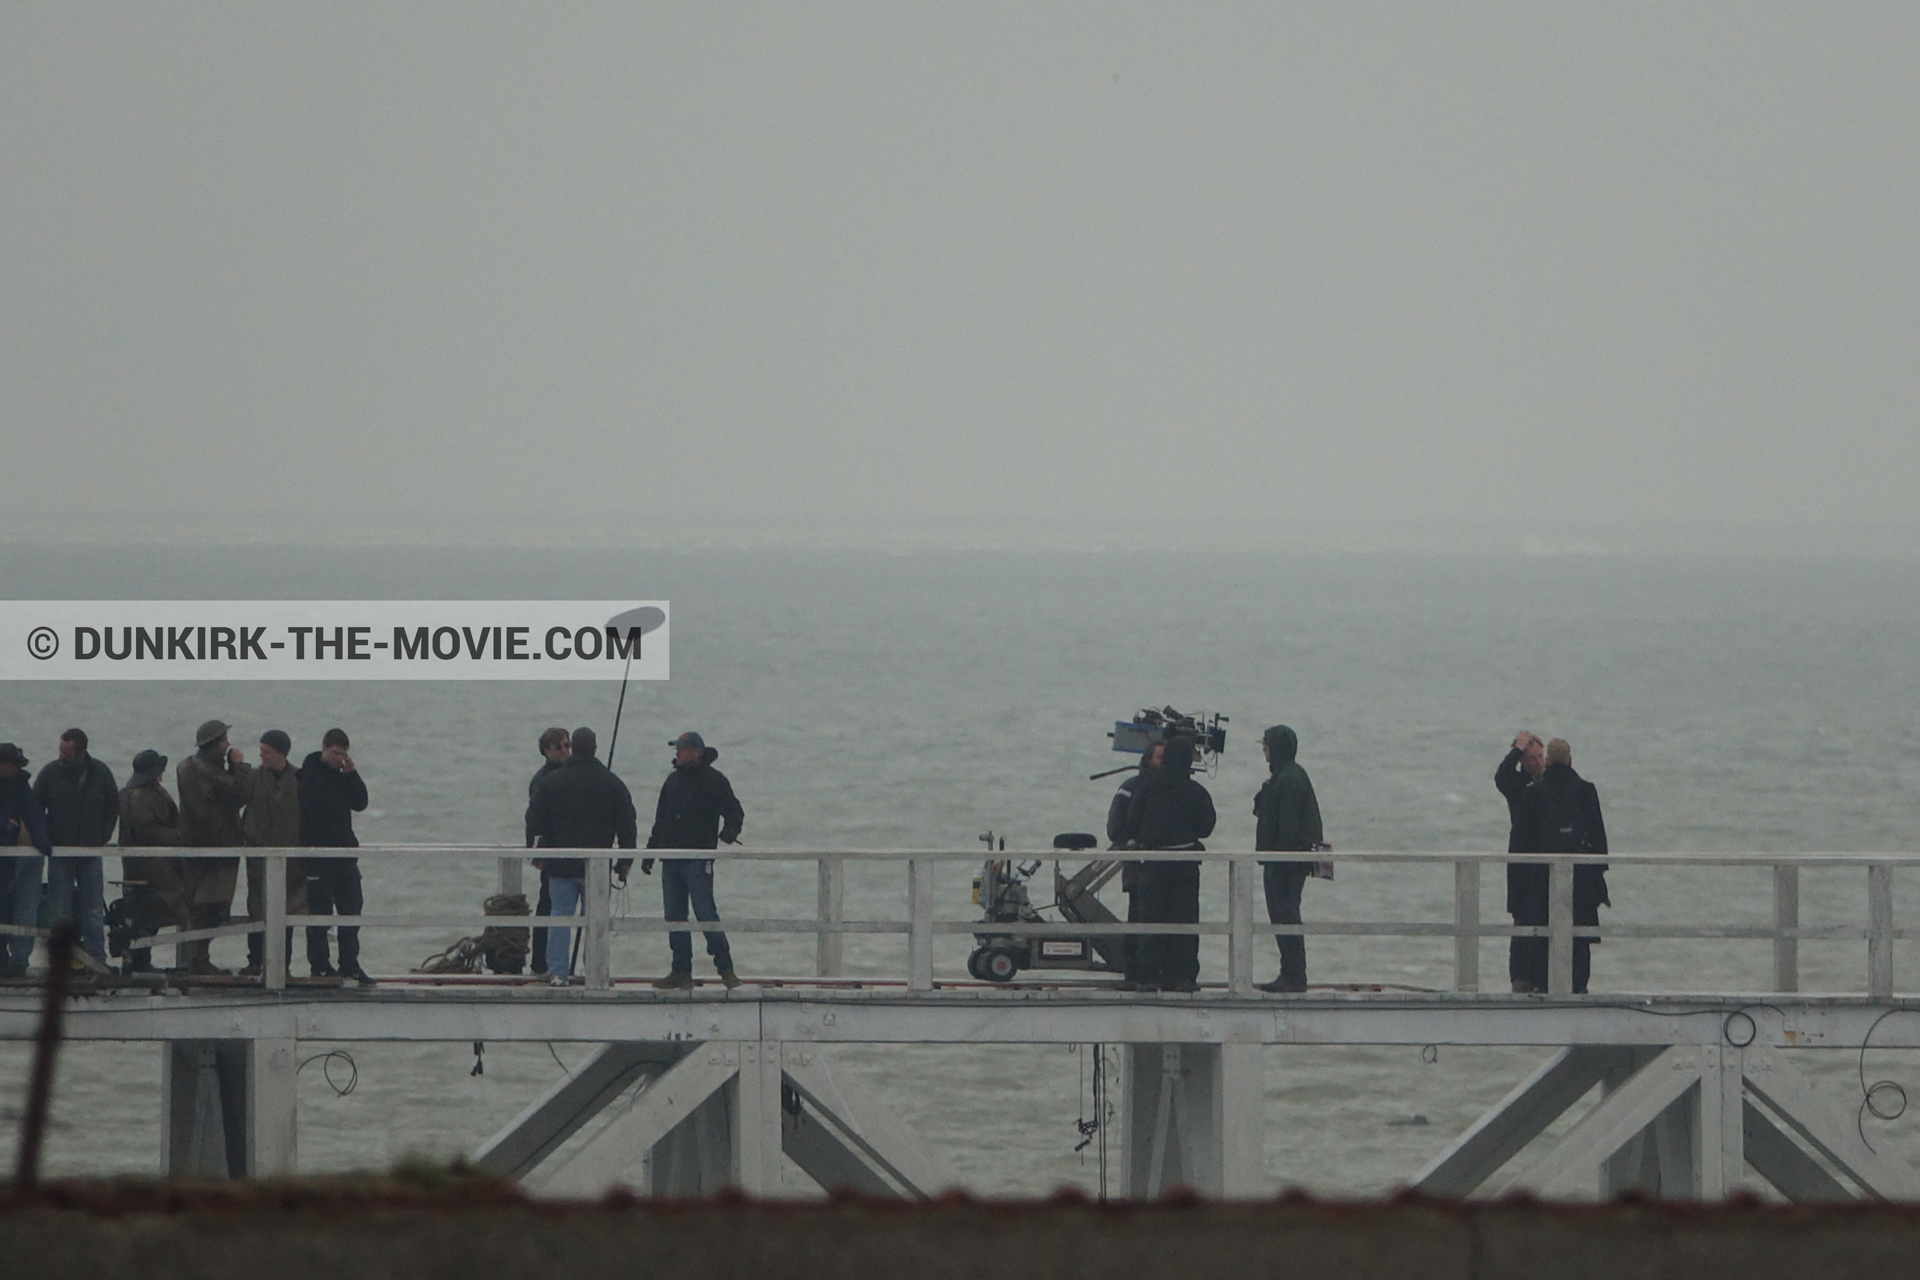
464, 1230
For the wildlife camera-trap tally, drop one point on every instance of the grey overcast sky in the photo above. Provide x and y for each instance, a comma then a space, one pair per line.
924, 265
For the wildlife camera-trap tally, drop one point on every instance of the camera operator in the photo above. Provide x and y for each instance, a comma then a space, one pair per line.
1117, 812
1169, 810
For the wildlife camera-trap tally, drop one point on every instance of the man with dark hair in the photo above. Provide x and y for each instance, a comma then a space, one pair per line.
82, 802
156, 894
331, 792
556, 744
1170, 811
23, 825
214, 784
697, 810
1561, 814
273, 822
581, 805
1288, 816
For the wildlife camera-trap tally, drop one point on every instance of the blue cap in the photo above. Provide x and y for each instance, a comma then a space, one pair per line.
689, 739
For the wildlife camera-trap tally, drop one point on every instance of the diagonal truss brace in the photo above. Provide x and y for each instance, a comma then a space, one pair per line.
1826, 1128
1520, 1117
838, 1133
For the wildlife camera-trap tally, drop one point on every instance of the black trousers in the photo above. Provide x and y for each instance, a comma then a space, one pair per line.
542, 908
1528, 895
333, 889
1283, 882
1168, 893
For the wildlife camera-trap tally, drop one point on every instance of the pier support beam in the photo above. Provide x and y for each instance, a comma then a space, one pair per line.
1677, 1122
1190, 1118
228, 1108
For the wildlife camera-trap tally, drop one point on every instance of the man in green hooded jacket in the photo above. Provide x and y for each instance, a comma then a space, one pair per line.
1289, 820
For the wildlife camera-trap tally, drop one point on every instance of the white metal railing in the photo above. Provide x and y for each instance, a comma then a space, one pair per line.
1244, 920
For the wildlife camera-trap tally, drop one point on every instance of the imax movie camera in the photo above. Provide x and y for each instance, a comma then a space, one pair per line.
1002, 886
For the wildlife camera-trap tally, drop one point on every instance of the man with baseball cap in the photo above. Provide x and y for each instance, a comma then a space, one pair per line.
23, 829
215, 784
697, 810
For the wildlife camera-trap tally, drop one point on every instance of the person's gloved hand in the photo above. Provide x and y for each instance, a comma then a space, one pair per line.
646, 866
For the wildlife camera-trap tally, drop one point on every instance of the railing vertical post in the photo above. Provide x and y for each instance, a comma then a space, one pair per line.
920, 916
829, 950
1240, 915
1466, 919
1786, 915
1880, 930
274, 943
1560, 928
597, 949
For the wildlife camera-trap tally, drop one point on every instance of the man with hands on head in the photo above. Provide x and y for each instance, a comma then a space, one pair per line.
1520, 770
331, 792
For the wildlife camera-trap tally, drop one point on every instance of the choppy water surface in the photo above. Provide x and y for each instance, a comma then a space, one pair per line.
896, 701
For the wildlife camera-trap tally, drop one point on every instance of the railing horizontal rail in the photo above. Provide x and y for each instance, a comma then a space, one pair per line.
736, 853
923, 923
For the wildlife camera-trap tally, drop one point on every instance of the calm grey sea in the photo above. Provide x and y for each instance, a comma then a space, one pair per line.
877, 700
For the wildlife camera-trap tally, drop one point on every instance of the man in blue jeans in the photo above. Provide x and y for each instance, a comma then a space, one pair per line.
697, 810
82, 804
580, 805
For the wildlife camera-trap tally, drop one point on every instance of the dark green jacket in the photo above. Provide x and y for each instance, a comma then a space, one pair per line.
1288, 813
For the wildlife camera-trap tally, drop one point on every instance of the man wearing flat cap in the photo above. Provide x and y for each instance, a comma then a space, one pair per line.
215, 784
149, 819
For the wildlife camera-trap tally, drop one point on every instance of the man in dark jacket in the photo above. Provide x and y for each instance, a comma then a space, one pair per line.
331, 792
156, 894
214, 784
556, 744
1526, 881
580, 805
1170, 811
697, 810
1288, 820
1561, 814
1117, 811
82, 802
23, 828
273, 822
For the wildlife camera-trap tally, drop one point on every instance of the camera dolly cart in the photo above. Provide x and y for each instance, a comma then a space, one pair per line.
1002, 890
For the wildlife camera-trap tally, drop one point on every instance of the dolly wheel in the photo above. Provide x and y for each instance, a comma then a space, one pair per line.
999, 966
